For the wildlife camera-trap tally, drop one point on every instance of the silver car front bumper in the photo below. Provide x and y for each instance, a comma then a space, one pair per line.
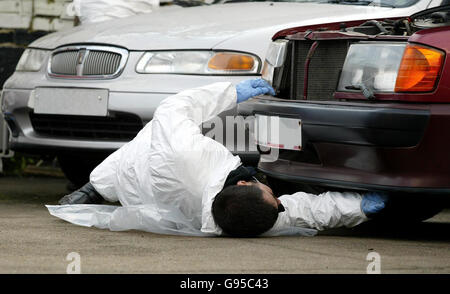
17, 106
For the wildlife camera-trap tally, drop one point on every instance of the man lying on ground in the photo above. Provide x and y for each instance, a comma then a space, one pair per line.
171, 179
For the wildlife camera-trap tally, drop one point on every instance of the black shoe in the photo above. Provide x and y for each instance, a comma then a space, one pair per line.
84, 195
71, 187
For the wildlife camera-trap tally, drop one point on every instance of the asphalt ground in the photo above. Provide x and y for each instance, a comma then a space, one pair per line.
33, 241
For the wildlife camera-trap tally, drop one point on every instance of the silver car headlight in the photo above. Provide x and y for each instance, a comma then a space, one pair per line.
198, 62
32, 60
276, 54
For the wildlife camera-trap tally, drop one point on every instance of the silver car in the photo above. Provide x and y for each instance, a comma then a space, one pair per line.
82, 93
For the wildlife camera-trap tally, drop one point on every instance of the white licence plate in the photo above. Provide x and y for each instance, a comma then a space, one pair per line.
278, 132
71, 101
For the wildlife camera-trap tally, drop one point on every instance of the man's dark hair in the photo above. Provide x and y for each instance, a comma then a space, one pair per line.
241, 211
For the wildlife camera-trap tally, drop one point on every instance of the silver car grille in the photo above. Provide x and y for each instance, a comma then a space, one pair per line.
118, 126
87, 62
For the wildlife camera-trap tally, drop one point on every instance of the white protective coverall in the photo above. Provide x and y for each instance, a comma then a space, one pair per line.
166, 178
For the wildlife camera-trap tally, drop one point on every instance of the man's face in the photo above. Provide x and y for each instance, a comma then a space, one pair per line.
268, 195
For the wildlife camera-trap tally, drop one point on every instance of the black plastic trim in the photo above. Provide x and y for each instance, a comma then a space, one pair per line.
343, 124
356, 185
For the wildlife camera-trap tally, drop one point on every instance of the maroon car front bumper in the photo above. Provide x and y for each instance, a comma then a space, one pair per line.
364, 146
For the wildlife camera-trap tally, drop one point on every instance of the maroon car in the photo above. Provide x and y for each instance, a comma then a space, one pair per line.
361, 106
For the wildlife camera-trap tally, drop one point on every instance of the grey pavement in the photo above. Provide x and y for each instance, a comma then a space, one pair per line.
32, 241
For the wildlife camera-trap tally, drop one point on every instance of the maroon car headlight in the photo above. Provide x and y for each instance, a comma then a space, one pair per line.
276, 54
390, 67
372, 66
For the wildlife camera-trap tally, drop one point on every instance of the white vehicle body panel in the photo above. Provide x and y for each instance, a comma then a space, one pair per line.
215, 26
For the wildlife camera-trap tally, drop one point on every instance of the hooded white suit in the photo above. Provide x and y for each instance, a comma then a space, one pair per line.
167, 177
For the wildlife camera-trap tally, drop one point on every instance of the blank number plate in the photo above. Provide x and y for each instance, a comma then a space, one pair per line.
71, 101
278, 132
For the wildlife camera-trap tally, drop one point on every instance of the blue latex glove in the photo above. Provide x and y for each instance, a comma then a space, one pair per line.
373, 202
250, 88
